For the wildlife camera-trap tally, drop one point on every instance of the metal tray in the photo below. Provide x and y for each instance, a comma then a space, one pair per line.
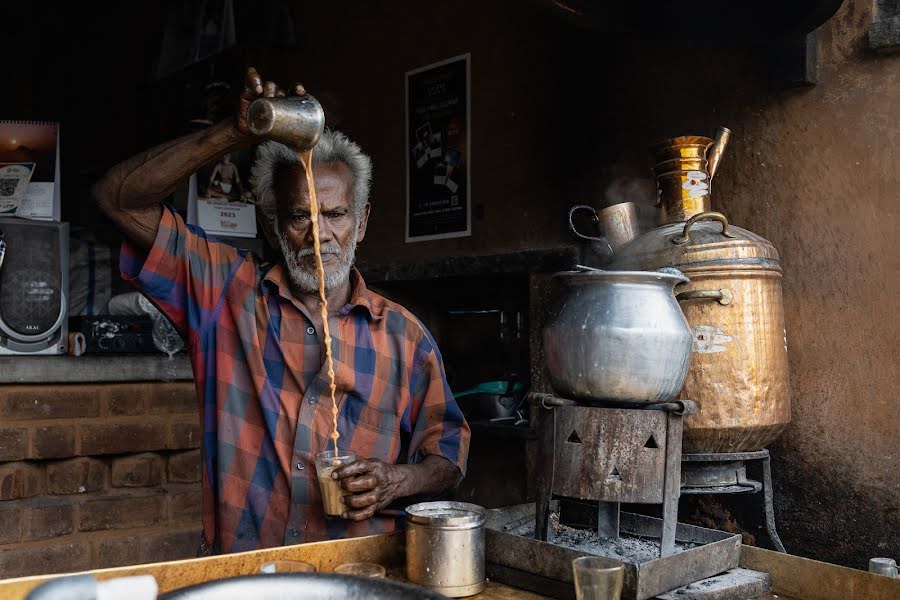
546, 568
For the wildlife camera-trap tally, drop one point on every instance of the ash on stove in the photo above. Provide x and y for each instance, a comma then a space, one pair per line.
628, 548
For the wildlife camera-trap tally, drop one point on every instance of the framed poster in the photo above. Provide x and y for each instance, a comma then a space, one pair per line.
438, 151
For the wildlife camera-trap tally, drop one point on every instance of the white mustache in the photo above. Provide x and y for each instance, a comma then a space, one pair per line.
329, 248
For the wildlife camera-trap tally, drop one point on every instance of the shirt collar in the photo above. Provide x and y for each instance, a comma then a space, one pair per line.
360, 297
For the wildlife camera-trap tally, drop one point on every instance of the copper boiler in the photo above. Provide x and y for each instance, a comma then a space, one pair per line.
733, 303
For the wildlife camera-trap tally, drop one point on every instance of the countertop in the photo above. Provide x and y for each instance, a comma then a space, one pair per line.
387, 550
94, 368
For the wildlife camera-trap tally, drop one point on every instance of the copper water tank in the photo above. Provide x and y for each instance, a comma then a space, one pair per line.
734, 305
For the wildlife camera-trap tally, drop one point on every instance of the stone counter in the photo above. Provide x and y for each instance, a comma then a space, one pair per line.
94, 368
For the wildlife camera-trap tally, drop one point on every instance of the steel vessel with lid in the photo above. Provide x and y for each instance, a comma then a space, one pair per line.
445, 547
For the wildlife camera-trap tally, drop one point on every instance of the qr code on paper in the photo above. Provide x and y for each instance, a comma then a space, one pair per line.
8, 187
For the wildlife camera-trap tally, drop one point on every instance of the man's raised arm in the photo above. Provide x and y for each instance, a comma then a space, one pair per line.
131, 192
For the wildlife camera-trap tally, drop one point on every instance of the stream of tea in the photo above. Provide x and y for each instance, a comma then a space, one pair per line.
306, 158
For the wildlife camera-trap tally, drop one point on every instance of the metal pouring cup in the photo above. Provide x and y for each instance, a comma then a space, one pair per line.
618, 223
295, 121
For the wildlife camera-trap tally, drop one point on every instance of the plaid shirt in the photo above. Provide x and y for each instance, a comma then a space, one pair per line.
263, 392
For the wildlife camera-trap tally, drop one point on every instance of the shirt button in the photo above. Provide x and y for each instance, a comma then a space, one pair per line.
300, 466
313, 400
295, 532
310, 331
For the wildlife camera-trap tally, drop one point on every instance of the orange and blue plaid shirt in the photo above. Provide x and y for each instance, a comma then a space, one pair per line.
263, 391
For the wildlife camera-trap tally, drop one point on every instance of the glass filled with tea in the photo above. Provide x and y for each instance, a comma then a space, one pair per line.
332, 493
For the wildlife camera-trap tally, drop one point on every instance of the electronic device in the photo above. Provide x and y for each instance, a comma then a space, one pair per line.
34, 285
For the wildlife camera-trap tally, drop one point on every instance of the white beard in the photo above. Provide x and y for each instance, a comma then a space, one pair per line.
307, 280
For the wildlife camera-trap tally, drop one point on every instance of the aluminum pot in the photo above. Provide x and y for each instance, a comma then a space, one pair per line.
618, 336
445, 547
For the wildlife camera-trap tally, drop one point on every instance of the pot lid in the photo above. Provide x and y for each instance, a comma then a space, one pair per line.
446, 514
590, 275
698, 243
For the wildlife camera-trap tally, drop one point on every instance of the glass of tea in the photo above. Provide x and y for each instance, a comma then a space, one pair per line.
598, 578
326, 462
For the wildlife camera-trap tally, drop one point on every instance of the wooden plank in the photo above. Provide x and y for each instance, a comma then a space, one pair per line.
501, 591
387, 550
813, 580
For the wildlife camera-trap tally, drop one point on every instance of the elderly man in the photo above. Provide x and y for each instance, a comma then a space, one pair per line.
254, 332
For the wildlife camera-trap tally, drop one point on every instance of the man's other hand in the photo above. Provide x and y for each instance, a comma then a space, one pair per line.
254, 88
374, 485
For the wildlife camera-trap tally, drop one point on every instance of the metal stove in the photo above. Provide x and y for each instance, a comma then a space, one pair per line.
609, 455
726, 473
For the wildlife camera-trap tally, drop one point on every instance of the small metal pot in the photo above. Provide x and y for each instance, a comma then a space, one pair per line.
445, 547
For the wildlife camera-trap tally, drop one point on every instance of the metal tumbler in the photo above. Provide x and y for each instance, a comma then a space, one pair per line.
295, 121
445, 547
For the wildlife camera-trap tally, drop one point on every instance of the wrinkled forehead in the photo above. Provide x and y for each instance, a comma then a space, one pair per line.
333, 181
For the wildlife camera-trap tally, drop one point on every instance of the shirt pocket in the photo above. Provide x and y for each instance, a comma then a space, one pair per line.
358, 413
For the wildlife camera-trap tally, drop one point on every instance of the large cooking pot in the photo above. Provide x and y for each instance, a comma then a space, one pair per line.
733, 302
618, 336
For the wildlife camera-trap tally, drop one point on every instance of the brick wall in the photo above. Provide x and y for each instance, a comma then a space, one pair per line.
96, 476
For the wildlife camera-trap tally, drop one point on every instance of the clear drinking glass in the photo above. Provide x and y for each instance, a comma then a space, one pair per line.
361, 570
287, 566
598, 578
326, 462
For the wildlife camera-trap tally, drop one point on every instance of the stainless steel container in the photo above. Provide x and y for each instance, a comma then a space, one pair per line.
295, 121
445, 547
619, 336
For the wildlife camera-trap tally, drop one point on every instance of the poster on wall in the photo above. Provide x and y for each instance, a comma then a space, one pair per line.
438, 152
29, 179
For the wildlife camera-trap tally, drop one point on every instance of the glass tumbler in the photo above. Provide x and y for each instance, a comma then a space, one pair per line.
326, 462
598, 578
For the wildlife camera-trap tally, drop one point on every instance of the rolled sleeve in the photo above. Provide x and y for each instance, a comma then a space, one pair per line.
184, 274
440, 428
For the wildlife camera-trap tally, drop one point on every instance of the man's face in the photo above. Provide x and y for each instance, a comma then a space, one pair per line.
339, 229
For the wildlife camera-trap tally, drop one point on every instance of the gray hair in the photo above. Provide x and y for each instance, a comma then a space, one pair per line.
333, 146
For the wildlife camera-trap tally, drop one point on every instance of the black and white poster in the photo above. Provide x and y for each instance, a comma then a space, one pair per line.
438, 154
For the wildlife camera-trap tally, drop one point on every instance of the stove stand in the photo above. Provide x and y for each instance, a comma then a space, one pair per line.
610, 455
726, 473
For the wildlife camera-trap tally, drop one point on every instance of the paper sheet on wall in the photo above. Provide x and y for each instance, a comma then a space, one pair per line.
35, 142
